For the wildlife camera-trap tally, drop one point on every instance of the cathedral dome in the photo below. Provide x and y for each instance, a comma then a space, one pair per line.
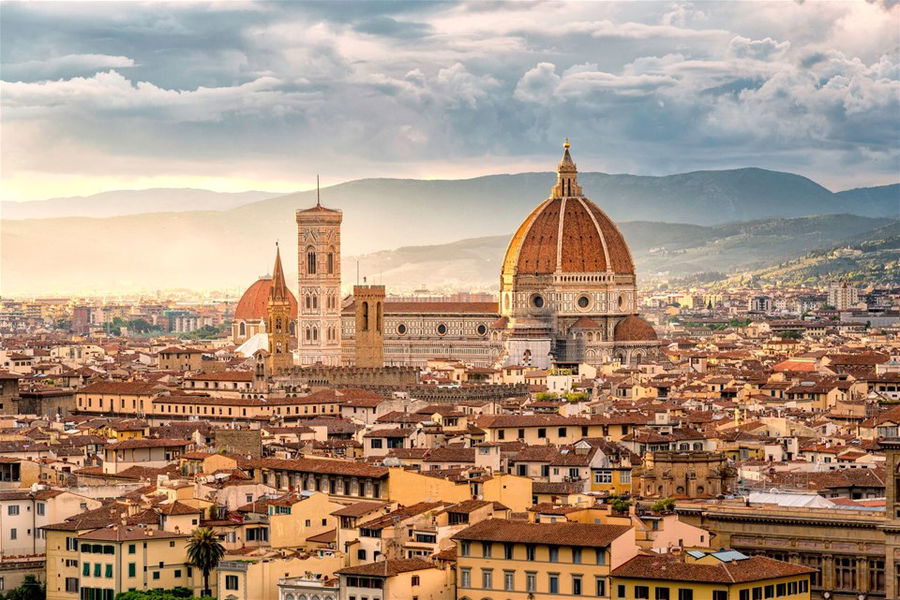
255, 301
634, 329
567, 233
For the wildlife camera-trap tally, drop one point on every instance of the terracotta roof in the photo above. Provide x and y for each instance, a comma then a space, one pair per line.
254, 304
634, 329
664, 567
358, 509
590, 241
312, 465
398, 515
387, 568
120, 533
148, 443
556, 534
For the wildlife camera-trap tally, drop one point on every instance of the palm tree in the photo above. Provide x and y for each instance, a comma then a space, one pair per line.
205, 551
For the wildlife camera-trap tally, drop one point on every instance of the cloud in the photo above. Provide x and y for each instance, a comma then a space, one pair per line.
766, 49
71, 64
407, 87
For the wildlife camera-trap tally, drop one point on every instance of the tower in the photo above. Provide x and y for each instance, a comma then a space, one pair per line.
369, 341
278, 311
319, 279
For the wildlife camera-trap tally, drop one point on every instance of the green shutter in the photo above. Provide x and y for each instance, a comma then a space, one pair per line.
132, 569
85, 569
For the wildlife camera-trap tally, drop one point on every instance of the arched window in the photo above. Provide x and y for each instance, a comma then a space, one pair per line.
311, 260
308, 302
378, 318
365, 316
278, 324
315, 333
308, 334
331, 260
315, 301
242, 328
292, 328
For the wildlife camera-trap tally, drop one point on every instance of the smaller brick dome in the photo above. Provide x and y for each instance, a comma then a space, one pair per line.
255, 301
634, 329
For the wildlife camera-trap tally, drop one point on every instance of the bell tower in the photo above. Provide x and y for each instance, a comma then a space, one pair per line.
369, 340
319, 279
279, 320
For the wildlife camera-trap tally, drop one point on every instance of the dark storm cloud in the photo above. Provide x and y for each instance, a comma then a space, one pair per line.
643, 87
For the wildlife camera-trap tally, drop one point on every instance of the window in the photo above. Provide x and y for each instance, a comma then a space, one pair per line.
620, 591
132, 570
604, 476
757, 593
553, 581
72, 584
685, 594
792, 588
769, 591
508, 577
662, 593
576, 556
744, 595
508, 551
442, 329
781, 589
486, 549
13, 534
814, 561
41, 509
231, 582
310, 261
465, 578
554, 554
845, 573
641, 592
542, 432
487, 578
804, 586
876, 575
601, 557
530, 581
98, 568
529, 552
562, 432
85, 569
132, 548
599, 586
177, 572
576, 585
109, 571
12, 510
155, 574
464, 548
720, 595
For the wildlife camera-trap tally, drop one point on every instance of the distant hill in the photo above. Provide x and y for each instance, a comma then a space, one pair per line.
672, 250
130, 202
217, 249
873, 257
871, 200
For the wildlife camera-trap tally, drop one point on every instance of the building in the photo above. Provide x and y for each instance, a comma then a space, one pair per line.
683, 475
280, 320
252, 310
698, 575
400, 579
319, 282
842, 295
369, 341
517, 560
567, 296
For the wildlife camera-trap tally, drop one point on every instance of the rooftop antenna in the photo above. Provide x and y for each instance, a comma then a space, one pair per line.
318, 201
357, 271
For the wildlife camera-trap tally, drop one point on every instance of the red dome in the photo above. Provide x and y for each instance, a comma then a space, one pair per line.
634, 329
254, 303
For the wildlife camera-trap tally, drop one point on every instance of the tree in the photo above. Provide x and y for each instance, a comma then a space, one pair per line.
31, 589
620, 505
204, 552
664, 505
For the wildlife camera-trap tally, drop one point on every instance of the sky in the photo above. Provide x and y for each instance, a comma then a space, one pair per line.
233, 96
